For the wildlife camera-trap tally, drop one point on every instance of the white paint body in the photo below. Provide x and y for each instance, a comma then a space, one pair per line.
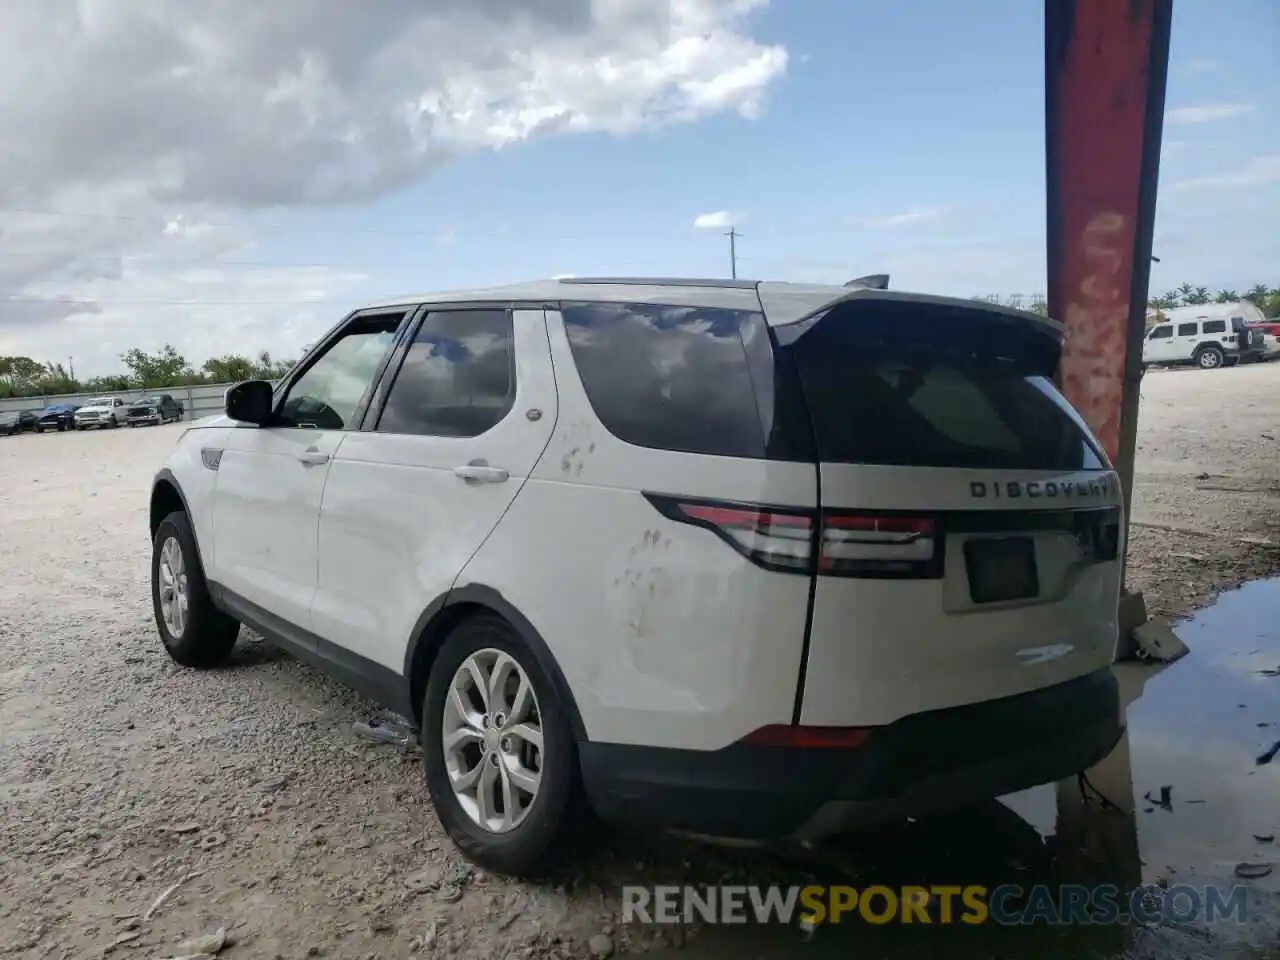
665, 635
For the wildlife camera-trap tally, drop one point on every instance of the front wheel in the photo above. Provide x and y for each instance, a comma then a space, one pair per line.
192, 629
499, 755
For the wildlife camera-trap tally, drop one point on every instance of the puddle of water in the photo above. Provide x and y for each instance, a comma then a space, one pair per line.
1197, 726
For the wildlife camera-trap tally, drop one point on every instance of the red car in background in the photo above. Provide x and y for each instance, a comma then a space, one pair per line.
1271, 337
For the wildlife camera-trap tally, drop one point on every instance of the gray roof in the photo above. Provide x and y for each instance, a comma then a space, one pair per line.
781, 301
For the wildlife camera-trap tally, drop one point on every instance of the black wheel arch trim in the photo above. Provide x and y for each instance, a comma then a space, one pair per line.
166, 475
493, 600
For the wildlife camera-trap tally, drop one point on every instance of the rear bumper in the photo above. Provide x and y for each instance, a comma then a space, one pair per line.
925, 762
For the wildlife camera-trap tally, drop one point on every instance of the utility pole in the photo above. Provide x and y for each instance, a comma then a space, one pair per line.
733, 236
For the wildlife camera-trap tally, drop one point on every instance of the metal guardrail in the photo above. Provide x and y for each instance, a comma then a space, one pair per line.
199, 400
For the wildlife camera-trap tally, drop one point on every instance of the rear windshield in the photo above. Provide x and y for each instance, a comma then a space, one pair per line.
905, 385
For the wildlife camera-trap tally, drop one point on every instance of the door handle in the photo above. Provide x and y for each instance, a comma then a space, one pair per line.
479, 471
312, 458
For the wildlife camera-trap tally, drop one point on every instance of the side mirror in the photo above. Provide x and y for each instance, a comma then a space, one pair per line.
250, 402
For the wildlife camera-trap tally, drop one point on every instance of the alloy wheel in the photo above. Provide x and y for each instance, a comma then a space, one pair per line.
492, 739
174, 602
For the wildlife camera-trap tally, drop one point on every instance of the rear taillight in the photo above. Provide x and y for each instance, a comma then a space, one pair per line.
807, 738
773, 538
858, 545
790, 540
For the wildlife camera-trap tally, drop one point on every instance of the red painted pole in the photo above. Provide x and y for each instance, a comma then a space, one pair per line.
1106, 65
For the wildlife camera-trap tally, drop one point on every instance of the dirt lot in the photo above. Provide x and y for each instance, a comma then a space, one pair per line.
1207, 489
122, 775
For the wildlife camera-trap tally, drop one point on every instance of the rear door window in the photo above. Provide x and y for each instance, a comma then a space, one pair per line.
458, 378
1187, 330
918, 386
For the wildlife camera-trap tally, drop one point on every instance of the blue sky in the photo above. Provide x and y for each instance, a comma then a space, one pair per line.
905, 136
213, 190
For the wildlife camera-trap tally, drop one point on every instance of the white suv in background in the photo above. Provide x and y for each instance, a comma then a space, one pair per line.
1207, 343
747, 560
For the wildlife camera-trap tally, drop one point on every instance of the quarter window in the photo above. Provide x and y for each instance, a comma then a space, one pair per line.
670, 378
1215, 326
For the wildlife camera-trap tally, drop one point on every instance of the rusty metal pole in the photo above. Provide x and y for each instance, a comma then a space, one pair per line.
1106, 66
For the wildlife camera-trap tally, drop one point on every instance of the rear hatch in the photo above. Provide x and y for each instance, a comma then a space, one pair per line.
969, 524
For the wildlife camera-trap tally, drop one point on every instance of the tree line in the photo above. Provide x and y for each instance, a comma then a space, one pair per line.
25, 377
1265, 298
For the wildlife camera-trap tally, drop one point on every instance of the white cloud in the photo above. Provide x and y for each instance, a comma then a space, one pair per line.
1257, 172
1203, 65
719, 220
904, 219
1206, 113
162, 117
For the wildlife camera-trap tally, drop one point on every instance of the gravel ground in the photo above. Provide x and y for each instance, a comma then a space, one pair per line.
122, 775
1207, 488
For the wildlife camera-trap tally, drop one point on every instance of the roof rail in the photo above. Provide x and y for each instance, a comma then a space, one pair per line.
662, 282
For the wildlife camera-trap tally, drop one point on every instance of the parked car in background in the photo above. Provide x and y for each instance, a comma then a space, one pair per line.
101, 412
18, 421
58, 416
155, 409
1207, 343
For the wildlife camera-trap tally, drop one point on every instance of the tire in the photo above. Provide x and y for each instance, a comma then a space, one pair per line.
39, 429
533, 843
1210, 358
205, 635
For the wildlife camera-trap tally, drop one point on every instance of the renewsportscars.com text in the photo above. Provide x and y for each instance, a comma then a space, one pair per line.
1009, 904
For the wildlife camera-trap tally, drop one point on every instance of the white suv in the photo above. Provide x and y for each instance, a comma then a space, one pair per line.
746, 560
1207, 343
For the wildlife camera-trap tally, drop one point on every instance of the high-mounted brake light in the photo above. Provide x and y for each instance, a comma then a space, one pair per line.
808, 738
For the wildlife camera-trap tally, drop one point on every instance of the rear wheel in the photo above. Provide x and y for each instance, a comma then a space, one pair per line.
499, 755
1210, 358
193, 630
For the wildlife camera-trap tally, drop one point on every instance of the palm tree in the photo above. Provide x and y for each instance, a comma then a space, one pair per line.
1258, 294
1197, 296
1185, 291
1226, 296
